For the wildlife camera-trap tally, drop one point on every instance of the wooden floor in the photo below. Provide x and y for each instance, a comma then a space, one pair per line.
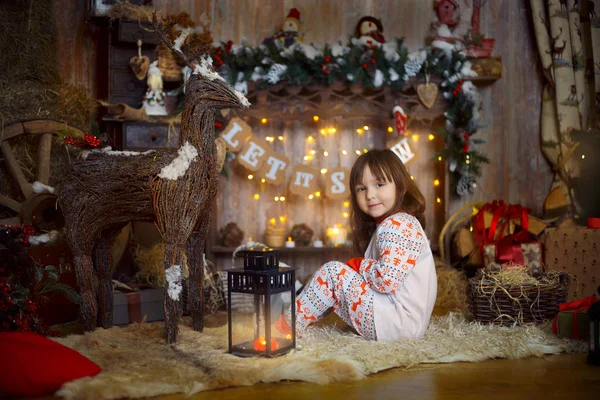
552, 377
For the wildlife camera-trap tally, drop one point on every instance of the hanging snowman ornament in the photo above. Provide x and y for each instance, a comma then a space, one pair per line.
154, 103
400, 117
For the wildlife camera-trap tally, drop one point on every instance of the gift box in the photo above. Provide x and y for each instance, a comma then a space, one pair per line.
500, 242
575, 250
529, 254
133, 307
573, 324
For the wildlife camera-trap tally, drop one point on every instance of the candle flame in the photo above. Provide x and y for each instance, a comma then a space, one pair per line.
260, 344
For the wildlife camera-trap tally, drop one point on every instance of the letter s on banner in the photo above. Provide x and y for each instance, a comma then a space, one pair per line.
337, 182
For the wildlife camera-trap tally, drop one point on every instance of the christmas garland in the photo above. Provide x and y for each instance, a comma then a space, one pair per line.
372, 65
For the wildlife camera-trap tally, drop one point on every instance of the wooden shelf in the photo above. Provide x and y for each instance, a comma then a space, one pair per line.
285, 250
352, 100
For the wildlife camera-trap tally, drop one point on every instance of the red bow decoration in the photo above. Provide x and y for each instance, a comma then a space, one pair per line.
576, 306
508, 248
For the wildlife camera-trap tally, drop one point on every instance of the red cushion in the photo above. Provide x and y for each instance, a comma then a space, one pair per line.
33, 365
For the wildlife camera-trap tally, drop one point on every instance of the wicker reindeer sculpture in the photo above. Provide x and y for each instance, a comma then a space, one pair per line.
174, 188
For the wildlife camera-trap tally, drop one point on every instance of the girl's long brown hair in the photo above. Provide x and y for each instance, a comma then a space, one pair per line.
385, 166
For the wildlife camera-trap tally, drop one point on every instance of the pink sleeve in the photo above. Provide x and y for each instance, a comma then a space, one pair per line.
399, 239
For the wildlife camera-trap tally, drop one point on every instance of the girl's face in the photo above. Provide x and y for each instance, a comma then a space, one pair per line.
375, 197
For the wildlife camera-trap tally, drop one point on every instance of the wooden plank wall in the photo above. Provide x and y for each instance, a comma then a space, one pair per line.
517, 172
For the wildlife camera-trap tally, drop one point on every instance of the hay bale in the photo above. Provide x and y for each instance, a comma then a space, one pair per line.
452, 291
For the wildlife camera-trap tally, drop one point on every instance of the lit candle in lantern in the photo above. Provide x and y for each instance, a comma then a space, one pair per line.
290, 243
336, 235
260, 344
249, 243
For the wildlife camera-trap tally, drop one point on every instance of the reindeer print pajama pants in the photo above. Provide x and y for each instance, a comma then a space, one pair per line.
336, 285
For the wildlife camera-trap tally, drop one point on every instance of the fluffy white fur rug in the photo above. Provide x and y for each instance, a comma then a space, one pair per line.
136, 362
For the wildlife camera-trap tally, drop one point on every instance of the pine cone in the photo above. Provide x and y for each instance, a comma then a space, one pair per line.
230, 235
301, 234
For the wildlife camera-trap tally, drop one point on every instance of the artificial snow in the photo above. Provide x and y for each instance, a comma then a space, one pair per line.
310, 51
378, 79
178, 167
39, 187
109, 151
258, 74
444, 31
206, 70
49, 237
241, 86
181, 38
466, 70
337, 50
390, 51
173, 277
446, 47
393, 75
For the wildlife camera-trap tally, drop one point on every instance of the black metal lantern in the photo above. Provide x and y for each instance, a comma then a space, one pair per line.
265, 329
594, 317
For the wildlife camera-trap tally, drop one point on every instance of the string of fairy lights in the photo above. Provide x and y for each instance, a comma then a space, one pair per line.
313, 150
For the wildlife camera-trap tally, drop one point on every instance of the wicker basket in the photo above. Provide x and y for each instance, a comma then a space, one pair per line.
506, 305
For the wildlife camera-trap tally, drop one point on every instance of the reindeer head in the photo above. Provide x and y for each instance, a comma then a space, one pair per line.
204, 85
208, 87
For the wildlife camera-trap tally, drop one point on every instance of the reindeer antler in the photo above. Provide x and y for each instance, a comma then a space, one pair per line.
177, 46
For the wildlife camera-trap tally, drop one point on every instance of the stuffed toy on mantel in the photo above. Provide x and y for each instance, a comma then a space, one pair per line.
289, 34
369, 30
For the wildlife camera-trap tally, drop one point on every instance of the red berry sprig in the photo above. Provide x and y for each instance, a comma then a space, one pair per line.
86, 141
325, 66
26, 229
458, 89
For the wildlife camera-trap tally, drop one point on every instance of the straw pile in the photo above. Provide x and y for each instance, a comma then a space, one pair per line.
31, 87
515, 295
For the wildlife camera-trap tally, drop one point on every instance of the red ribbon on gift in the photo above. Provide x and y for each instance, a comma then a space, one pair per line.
576, 306
509, 250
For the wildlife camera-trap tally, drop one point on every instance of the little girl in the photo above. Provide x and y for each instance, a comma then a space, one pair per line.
390, 293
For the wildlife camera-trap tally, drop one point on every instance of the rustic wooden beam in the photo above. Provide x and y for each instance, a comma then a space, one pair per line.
43, 161
34, 127
15, 169
10, 221
10, 203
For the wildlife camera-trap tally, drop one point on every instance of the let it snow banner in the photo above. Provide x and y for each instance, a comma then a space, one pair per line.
255, 155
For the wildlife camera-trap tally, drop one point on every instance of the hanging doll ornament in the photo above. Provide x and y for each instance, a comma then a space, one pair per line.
400, 117
140, 64
154, 97
289, 34
369, 31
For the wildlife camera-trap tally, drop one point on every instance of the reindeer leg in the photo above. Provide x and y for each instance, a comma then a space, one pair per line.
103, 264
173, 273
84, 273
196, 280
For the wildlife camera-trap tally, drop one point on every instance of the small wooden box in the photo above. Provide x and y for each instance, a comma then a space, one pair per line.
141, 136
